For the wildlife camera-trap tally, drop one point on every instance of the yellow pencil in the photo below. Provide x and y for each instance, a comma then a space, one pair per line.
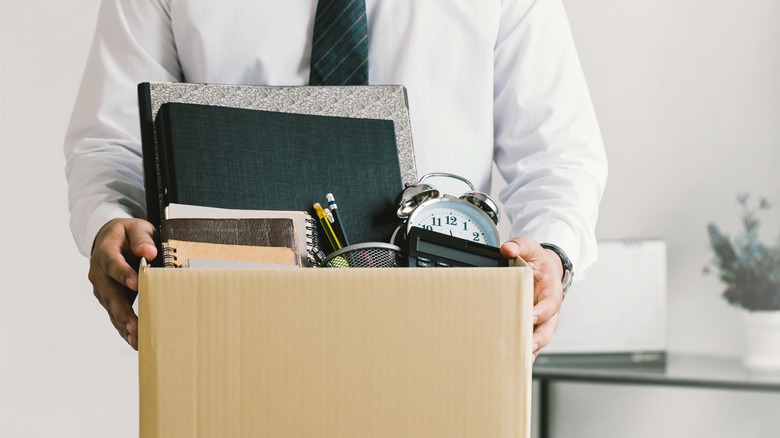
323, 217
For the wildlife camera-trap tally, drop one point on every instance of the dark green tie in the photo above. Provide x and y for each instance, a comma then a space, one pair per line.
339, 53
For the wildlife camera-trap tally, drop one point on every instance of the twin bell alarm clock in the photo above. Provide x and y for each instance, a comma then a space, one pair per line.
471, 216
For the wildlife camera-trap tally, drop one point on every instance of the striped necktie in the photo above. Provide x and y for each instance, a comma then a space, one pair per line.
339, 54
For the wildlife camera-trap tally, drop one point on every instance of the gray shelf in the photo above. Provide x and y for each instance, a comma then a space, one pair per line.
678, 370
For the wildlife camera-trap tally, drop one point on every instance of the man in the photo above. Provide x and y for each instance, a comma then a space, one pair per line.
489, 80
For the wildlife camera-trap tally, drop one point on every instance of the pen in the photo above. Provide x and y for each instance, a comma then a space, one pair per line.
331, 235
339, 225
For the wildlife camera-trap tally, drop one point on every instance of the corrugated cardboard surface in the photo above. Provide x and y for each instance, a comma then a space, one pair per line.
335, 352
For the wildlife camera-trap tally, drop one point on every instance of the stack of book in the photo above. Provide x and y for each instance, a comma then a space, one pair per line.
262, 150
194, 236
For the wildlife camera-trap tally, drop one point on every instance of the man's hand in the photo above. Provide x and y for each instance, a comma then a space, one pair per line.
548, 291
114, 281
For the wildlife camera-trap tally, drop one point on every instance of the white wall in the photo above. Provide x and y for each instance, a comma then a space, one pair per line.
688, 96
688, 99
63, 370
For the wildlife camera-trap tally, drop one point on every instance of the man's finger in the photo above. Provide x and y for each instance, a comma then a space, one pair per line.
123, 315
132, 327
116, 300
111, 261
545, 308
140, 235
543, 333
519, 247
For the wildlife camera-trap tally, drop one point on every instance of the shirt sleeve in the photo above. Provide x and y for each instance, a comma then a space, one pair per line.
547, 142
133, 43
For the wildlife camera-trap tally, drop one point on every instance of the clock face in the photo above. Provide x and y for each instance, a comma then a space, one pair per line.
457, 218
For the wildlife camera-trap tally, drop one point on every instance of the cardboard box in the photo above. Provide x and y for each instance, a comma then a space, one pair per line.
393, 352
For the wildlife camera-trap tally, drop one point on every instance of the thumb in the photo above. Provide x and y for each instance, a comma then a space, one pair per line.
519, 247
140, 235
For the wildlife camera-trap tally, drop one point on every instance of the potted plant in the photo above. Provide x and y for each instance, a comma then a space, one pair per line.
750, 270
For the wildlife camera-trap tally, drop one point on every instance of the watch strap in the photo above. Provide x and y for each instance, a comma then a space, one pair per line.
568, 268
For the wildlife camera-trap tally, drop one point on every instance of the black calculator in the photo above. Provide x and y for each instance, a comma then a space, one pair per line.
430, 249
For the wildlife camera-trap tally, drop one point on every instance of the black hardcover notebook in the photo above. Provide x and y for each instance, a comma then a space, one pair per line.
251, 159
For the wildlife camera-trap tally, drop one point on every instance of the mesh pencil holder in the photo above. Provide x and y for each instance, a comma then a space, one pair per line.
364, 255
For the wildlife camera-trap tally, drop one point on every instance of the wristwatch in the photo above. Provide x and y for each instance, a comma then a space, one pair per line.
568, 268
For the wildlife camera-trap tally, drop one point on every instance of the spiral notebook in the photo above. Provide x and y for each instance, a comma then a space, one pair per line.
179, 253
303, 224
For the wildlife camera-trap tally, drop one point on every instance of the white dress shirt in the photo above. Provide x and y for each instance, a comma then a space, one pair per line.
487, 80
